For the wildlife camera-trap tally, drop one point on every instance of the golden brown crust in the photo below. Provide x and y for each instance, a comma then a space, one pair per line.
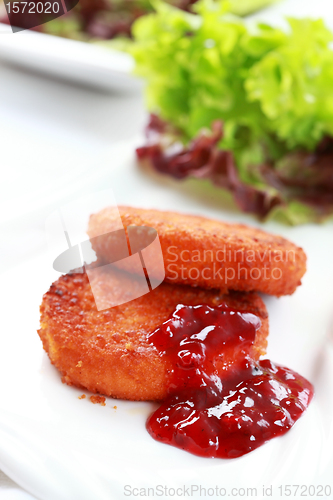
107, 351
209, 253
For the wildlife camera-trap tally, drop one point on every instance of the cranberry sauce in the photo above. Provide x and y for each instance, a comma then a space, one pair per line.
221, 402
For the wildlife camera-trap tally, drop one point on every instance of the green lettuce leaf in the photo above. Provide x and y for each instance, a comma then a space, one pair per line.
272, 88
245, 7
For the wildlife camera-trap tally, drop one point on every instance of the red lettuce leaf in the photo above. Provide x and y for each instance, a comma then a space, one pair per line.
203, 158
300, 175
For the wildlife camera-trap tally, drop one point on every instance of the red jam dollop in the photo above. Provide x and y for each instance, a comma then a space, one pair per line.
221, 402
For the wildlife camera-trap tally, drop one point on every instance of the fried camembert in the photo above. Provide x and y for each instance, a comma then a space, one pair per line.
107, 351
208, 253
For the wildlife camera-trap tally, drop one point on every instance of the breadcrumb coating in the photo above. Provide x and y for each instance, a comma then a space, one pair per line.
208, 253
107, 351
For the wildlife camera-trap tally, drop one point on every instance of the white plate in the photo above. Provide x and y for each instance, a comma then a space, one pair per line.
296, 8
105, 68
72, 60
61, 448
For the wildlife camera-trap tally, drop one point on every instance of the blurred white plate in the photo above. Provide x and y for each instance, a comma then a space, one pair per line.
296, 8
105, 68
61, 448
81, 62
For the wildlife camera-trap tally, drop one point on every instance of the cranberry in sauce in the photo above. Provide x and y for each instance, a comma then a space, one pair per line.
228, 412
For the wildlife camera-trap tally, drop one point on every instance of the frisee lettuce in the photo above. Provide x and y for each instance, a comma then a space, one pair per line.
245, 7
272, 88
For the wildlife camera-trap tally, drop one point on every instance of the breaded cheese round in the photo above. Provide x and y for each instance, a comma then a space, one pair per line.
208, 253
107, 351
